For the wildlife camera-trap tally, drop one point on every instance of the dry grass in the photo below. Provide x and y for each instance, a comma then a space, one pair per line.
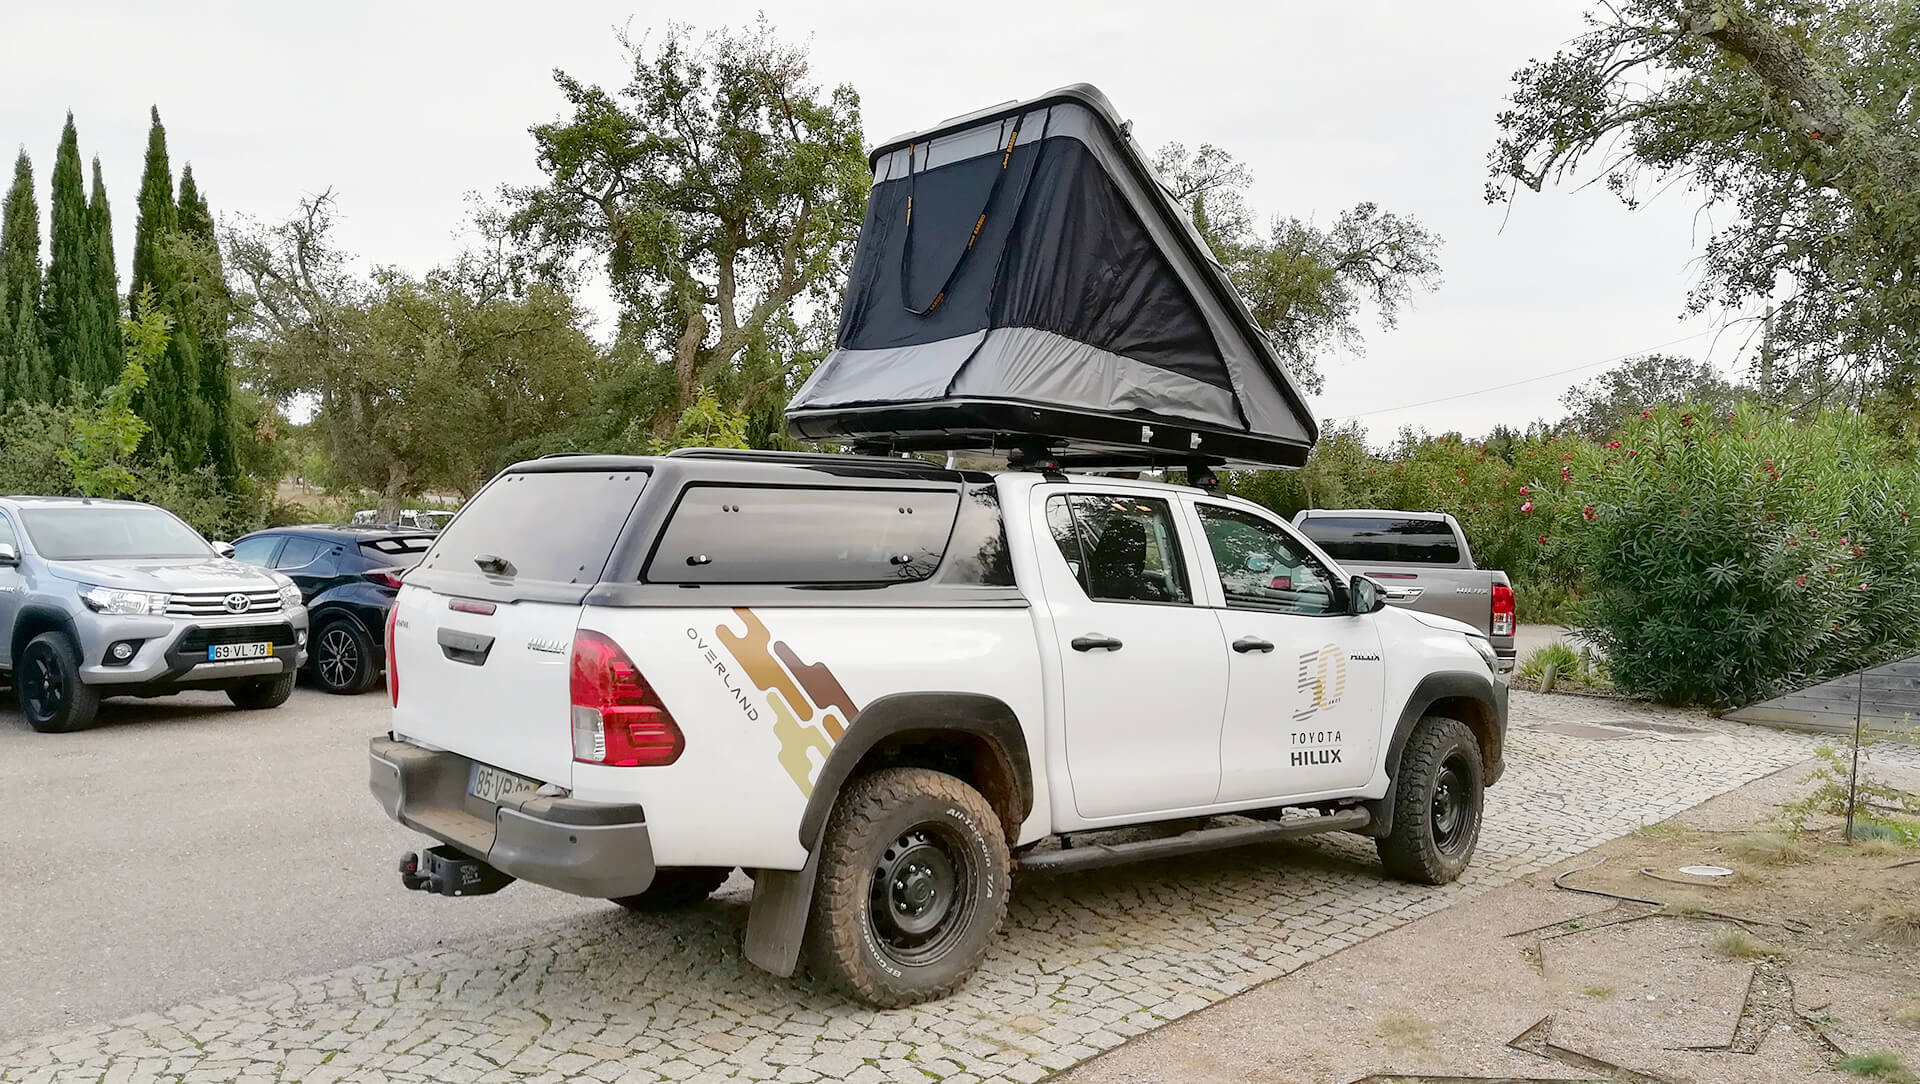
1897, 923
1736, 943
1601, 992
1403, 1031
1909, 1014
1768, 849
1882, 848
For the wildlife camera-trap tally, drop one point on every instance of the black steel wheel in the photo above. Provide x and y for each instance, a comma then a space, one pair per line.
343, 659
1438, 799
914, 875
46, 679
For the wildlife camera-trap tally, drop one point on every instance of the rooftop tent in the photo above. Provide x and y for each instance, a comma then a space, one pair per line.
1024, 281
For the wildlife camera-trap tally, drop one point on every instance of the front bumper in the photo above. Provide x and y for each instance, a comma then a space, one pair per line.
596, 849
172, 652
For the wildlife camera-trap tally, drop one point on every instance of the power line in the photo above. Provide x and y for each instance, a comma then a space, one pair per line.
1525, 380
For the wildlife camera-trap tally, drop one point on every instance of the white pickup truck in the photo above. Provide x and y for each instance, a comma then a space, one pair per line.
878, 685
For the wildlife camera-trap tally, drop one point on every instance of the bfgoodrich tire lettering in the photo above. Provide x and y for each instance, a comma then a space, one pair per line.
914, 875
1438, 798
47, 681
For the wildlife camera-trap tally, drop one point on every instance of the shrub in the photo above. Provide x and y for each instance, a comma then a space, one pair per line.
1727, 559
1557, 655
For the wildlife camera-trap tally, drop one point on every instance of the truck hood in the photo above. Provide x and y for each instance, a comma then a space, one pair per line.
165, 574
1444, 624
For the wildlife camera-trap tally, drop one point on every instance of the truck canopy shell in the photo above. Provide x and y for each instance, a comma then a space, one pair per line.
1025, 280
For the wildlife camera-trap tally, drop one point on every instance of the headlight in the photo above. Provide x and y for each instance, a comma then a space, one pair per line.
108, 600
1486, 652
289, 592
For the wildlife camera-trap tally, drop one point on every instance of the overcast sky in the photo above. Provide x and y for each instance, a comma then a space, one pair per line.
404, 107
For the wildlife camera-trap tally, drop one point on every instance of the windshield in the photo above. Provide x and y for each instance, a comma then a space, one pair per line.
83, 532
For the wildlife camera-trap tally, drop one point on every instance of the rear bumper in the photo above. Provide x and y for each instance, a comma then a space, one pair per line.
592, 849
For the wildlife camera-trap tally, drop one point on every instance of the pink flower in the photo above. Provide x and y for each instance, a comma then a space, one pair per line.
1527, 507
1543, 541
1524, 491
1631, 451
1613, 444
1800, 581
1588, 513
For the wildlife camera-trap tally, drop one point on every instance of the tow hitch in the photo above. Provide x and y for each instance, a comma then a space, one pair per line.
445, 870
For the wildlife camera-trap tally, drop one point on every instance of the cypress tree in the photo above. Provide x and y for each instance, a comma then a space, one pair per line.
204, 321
22, 338
166, 403
67, 307
105, 293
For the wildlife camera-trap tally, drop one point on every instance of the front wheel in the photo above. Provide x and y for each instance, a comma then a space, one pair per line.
47, 681
260, 695
343, 658
914, 876
1438, 797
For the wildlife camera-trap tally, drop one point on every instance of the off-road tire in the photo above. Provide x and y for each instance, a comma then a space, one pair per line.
1434, 831
261, 695
882, 821
342, 660
676, 889
46, 681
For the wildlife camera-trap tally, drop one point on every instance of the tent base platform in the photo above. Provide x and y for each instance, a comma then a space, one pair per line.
1028, 431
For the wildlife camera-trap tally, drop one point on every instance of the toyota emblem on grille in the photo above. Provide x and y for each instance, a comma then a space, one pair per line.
236, 603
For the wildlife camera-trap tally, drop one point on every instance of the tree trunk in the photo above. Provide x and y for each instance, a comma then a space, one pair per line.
396, 489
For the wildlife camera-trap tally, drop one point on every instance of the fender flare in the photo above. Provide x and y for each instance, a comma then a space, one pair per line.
985, 717
1480, 689
39, 612
783, 899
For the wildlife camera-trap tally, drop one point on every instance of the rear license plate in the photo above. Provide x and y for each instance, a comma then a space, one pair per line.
224, 652
491, 784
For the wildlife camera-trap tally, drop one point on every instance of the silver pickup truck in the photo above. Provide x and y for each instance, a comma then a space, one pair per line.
1422, 562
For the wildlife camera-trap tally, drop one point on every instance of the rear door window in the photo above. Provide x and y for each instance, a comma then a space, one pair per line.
556, 526
1121, 548
299, 553
1384, 540
794, 535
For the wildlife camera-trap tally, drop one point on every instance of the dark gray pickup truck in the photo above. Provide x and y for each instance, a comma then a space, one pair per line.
1422, 562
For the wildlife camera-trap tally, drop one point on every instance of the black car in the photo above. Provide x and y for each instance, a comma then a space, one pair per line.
349, 577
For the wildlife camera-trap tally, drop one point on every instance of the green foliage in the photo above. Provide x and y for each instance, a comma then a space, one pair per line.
105, 276
26, 371
105, 432
1598, 408
1837, 785
171, 402
1882, 1065
1792, 118
68, 309
1557, 655
723, 190
705, 424
203, 313
1306, 285
1727, 557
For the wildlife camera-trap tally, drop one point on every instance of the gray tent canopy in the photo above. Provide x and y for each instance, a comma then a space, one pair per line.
1024, 282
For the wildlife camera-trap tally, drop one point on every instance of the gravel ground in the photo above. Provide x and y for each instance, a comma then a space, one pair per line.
258, 872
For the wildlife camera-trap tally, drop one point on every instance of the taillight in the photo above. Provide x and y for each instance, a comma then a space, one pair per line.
393, 661
385, 577
1503, 611
617, 719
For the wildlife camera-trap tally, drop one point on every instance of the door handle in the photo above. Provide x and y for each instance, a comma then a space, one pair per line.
1095, 642
1252, 643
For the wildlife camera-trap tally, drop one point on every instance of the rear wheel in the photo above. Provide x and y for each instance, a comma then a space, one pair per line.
1438, 798
676, 889
914, 875
343, 658
47, 681
260, 695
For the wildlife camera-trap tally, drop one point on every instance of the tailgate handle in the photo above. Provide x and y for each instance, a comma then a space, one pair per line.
465, 647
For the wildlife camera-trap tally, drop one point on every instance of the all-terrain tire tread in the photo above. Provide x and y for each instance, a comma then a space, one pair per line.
835, 936
1407, 851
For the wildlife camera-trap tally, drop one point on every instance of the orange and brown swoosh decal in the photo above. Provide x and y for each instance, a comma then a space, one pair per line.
761, 657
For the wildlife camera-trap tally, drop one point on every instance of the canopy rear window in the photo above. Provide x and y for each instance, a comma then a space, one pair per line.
1384, 540
804, 536
557, 526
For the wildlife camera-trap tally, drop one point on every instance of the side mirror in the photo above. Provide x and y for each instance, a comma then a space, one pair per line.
9, 555
1363, 596
224, 549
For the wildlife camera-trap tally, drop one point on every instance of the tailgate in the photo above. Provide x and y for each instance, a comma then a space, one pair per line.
483, 628
1463, 594
492, 687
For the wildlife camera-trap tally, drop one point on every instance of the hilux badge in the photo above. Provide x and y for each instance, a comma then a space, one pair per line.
547, 646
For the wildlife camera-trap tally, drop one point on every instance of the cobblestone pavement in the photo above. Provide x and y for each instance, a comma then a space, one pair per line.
1085, 961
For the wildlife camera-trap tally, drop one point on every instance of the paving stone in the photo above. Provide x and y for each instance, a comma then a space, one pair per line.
1084, 962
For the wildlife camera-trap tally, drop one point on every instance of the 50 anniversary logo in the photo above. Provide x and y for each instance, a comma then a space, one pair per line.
796, 691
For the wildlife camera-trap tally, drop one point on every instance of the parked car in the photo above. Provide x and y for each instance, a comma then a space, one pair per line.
878, 684
348, 577
425, 520
1422, 562
105, 598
